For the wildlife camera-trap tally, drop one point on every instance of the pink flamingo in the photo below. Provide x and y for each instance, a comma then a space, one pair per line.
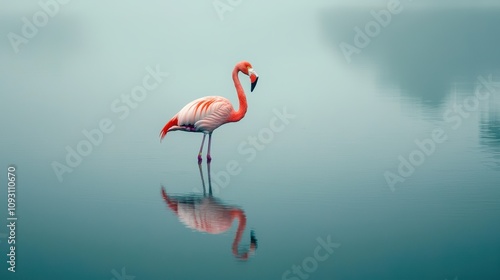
208, 113
208, 214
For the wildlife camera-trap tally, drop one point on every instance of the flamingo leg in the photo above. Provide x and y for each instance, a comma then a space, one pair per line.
209, 179
209, 158
201, 148
202, 179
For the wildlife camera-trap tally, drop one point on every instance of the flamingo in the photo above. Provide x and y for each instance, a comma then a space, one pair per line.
208, 214
208, 113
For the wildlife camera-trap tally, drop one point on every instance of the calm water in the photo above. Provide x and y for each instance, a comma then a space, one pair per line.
299, 186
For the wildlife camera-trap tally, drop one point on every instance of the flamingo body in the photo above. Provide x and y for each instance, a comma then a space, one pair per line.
206, 215
201, 115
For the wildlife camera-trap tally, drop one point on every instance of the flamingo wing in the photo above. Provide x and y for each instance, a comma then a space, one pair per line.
201, 115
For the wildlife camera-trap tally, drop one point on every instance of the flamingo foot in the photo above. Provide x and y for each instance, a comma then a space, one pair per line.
199, 159
209, 159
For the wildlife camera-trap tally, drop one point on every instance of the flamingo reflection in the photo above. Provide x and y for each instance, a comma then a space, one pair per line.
206, 213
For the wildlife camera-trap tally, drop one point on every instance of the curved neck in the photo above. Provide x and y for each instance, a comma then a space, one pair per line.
242, 222
242, 109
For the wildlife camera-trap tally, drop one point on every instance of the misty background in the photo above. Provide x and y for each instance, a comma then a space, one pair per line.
322, 175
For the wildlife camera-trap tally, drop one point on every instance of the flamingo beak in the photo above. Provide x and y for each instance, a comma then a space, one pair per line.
253, 240
253, 79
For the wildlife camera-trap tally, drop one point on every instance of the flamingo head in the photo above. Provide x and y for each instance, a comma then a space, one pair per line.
247, 69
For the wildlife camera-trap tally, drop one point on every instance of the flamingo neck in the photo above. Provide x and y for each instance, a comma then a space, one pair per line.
242, 222
242, 109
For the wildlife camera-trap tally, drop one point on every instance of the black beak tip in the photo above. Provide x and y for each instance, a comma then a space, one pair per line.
254, 84
253, 239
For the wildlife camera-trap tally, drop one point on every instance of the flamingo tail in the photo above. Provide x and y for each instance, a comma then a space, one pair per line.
172, 204
171, 123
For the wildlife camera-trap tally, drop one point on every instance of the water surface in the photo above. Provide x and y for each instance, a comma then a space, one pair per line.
317, 179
